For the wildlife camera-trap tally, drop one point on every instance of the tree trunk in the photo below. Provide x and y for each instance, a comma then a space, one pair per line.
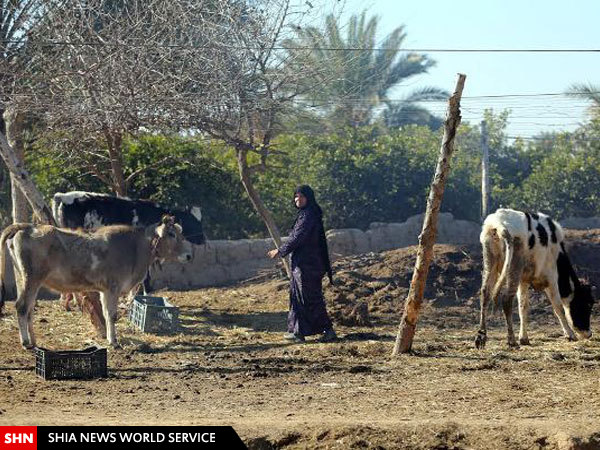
259, 206
25, 183
408, 323
2, 121
14, 135
115, 153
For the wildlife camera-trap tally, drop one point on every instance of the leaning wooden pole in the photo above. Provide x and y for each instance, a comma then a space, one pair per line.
408, 323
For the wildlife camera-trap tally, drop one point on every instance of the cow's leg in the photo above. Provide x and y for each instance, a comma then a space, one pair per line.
507, 306
554, 297
511, 278
91, 305
488, 283
109, 301
135, 291
24, 305
490, 277
523, 296
66, 298
146, 284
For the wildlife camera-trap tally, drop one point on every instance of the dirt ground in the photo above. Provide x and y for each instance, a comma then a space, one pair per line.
229, 365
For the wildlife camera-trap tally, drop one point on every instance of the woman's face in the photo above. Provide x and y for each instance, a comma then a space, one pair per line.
300, 200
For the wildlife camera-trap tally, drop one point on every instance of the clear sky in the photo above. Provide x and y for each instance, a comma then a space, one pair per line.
502, 24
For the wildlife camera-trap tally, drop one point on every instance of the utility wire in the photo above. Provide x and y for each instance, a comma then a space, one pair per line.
342, 49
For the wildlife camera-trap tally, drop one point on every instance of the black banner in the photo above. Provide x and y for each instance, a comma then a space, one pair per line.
126, 437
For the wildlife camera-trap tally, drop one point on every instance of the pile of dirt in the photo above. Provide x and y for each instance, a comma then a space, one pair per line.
583, 247
373, 285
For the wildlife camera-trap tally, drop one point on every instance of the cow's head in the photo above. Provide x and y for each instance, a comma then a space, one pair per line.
580, 309
191, 221
169, 243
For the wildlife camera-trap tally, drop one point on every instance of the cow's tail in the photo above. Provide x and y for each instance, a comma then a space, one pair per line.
509, 251
8, 233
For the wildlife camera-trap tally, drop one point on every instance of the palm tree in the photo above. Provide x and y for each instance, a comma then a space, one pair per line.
408, 111
589, 92
357, 74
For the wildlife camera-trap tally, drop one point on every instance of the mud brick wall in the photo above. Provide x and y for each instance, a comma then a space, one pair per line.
223, 262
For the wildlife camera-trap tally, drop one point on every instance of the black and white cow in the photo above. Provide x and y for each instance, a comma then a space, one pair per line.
89, 210
523, 249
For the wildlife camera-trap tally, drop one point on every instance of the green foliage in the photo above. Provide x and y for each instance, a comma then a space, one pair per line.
171, 170
360, 175
180, 172
566, 183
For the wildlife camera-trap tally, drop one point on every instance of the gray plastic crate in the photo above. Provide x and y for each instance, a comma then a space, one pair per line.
88, 363
154, 314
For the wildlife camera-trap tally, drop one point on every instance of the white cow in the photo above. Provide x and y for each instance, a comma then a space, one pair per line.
526, 249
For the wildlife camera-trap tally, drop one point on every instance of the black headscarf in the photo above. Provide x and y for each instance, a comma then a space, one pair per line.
311, 203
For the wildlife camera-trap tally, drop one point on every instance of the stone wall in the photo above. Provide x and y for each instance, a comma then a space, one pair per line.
387, 236
223, 262
580, 223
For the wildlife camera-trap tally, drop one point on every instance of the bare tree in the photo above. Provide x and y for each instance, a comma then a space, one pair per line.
18, 19
262, 80
101, 70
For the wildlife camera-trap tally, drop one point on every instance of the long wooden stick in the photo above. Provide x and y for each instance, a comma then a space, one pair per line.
412, 306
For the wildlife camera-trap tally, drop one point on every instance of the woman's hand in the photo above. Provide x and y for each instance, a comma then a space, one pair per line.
273, 253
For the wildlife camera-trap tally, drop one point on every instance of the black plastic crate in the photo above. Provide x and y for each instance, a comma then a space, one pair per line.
154, 314
88, 363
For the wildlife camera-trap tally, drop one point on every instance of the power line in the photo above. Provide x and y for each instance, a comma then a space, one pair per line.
301, 47
315, 104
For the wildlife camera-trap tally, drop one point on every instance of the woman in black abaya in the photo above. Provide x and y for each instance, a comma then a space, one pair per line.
310, 261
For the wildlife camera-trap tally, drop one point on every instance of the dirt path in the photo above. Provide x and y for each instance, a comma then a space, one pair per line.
229, 365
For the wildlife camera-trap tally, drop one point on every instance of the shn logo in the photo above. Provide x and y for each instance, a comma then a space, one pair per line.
18, 438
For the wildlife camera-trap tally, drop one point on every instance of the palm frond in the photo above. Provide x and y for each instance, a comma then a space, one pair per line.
588, 91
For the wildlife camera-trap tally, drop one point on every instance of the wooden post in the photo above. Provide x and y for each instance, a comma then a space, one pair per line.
485, 174
408, 323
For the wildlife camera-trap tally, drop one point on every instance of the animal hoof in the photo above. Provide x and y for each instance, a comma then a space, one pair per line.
480, 340
524, 341
571, 338
116, 346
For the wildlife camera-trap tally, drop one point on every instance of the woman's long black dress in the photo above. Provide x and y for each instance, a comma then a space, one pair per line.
307, 314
